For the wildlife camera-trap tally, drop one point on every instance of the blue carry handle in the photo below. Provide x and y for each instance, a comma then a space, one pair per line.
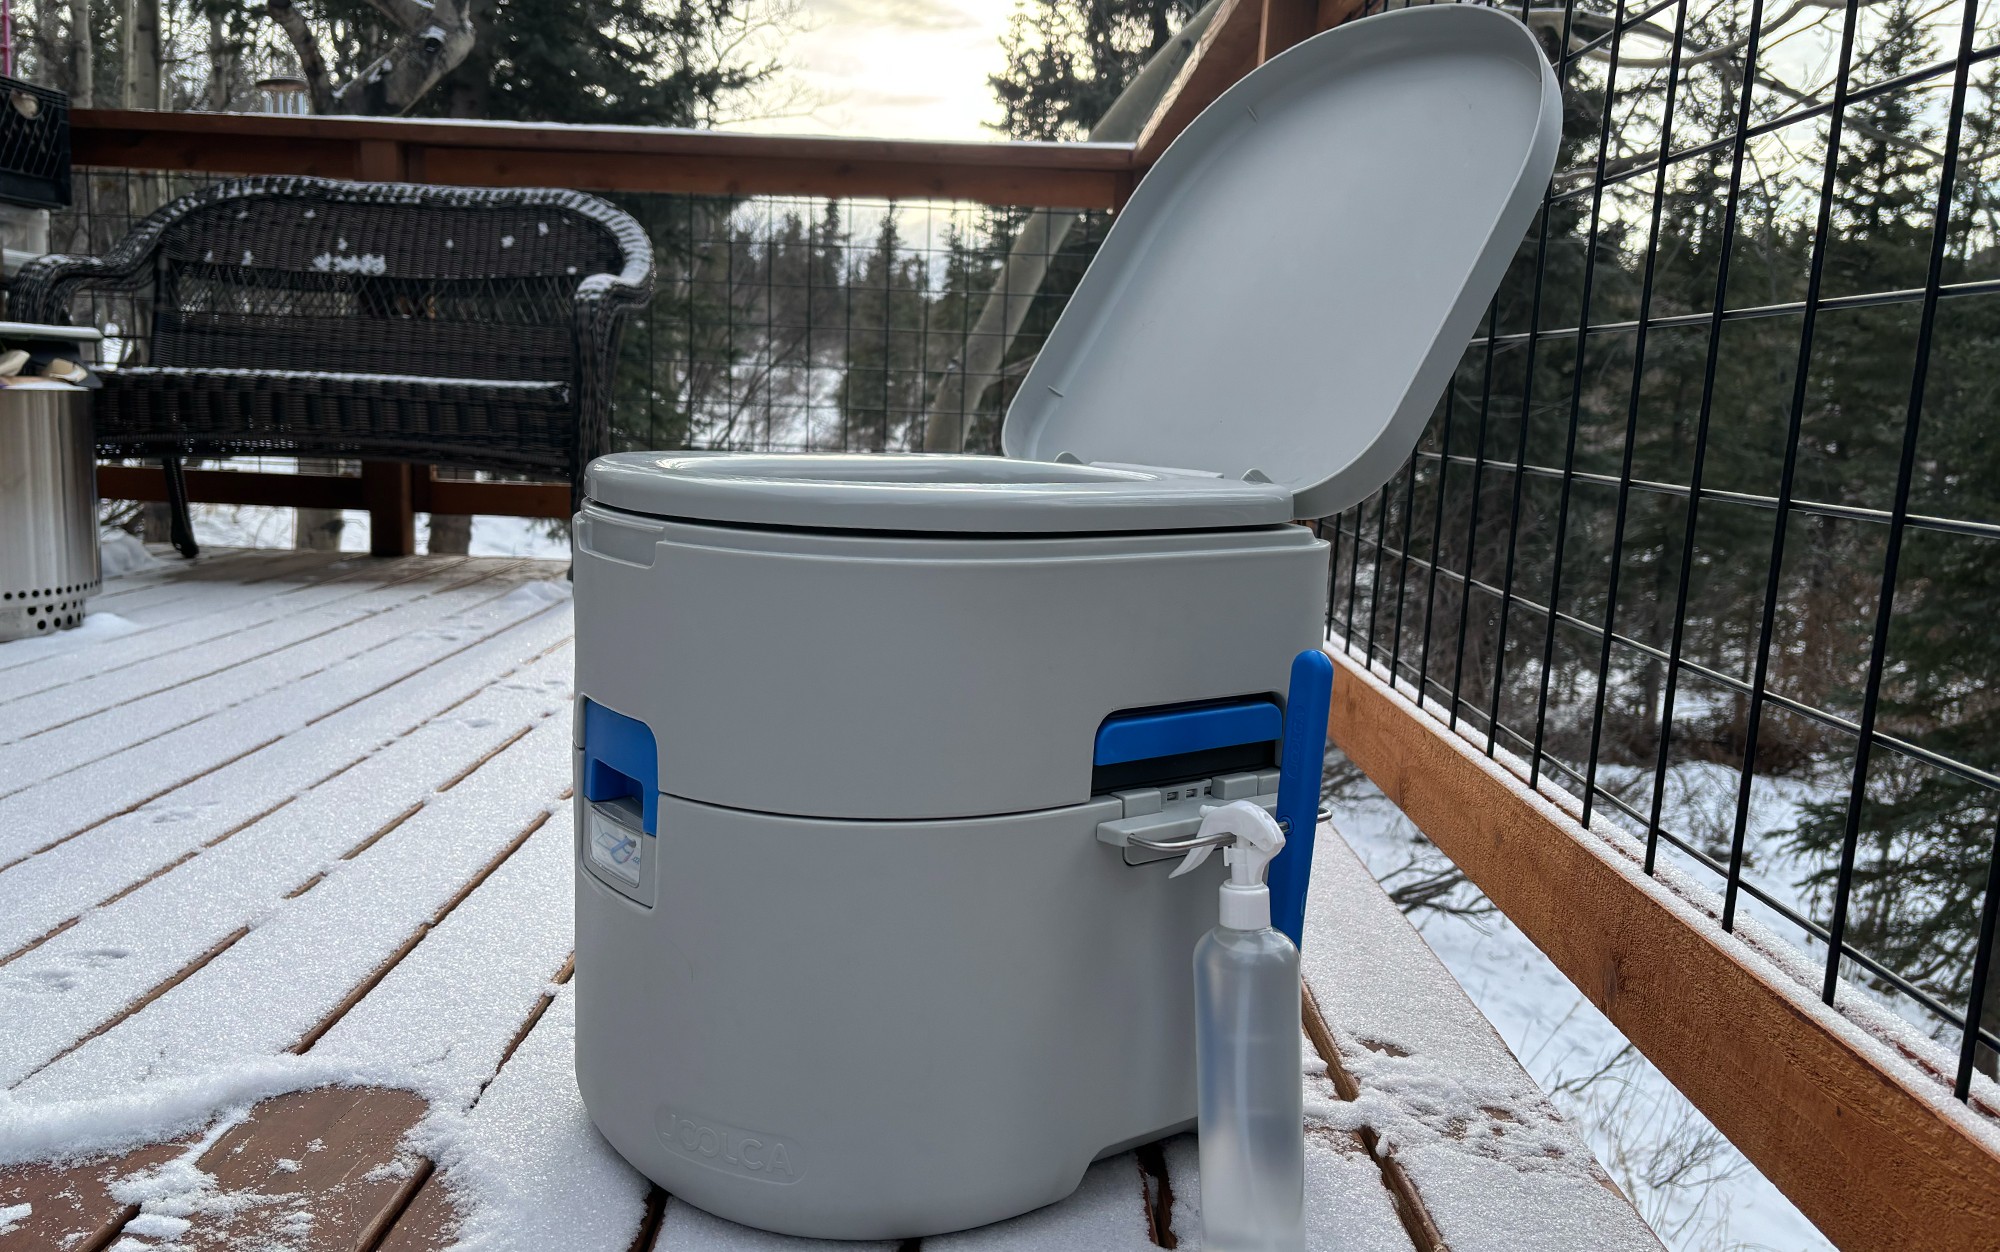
620, 760
1298, 789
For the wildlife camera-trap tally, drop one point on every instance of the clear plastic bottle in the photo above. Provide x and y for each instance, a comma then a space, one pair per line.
1246, 992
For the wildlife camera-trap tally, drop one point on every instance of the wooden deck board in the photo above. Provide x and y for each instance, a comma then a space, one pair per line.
328, 1167
142, 772
336, 638
365, 766
351, 847
1494, 1164
174, 658
73, 1208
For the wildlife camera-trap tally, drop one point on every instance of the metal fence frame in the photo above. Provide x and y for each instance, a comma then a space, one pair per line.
1365, 547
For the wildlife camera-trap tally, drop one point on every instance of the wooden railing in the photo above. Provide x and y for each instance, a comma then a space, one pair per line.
1243, 34
1872, 1151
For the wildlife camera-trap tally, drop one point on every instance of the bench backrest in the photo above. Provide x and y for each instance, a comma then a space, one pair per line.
401, 279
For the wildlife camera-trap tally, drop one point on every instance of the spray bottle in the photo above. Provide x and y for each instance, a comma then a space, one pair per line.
1246, 991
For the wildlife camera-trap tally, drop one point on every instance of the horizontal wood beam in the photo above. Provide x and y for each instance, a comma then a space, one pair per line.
497, 499
319, 491
1878, 1157
292, 491
603, 158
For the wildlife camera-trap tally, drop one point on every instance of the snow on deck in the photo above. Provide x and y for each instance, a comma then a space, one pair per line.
281, 965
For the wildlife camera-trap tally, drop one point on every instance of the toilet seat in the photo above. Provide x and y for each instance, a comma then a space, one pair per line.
929, 494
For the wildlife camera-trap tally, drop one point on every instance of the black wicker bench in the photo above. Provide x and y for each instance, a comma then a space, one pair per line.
389, 321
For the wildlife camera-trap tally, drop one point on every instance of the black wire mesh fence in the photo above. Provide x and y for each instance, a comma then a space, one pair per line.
854, 325
1704, 529
778, 323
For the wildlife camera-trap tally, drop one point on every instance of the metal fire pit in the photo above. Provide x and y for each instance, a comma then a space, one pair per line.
48, 509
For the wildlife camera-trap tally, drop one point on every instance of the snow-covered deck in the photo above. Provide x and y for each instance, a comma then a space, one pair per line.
285, 926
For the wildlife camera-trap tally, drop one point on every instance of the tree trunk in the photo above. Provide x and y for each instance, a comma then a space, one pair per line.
317, 529
139, 54
48, 62
83, 73
451, 534
156, 522
312, 66
221, 66
966, 379
438, 34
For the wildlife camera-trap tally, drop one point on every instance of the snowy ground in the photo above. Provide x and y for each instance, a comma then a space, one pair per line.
1698, 1192
262, 526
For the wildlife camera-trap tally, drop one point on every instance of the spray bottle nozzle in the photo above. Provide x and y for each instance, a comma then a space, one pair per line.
1249, 837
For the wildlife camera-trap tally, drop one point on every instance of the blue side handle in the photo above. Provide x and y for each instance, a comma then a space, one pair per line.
1298, 789
1170, 732
620, 759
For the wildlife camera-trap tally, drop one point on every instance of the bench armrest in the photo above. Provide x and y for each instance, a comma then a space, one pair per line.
601, 305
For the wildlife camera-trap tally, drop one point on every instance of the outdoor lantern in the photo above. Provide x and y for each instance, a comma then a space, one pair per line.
869, 942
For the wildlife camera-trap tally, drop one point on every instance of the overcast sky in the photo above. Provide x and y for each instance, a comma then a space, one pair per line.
897, 68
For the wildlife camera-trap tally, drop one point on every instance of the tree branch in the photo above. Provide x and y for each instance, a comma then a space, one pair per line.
312, 66
407, 14
430, 47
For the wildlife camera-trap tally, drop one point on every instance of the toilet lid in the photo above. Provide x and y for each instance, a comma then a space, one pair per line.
1290, 286
1285, 293
924, 493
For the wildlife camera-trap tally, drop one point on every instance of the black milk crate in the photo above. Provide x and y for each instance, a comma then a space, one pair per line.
34, 145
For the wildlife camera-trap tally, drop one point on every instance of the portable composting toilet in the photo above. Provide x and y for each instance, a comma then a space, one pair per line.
865, 945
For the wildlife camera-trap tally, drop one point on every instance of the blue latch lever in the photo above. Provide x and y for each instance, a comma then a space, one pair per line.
1299, 774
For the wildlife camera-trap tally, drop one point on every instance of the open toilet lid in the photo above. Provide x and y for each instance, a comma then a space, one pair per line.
1290, 286
1287, 292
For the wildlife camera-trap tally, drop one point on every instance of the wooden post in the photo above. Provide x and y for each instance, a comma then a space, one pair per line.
392, 517
1285, 23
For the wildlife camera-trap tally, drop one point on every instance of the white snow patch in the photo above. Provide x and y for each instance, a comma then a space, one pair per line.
546, 591
401, 1167
526, 1165
686, 1228
165, 1108
120, 552
1106, 1213
96, 628
367, 263
13, 1214
515, 536
158, 1226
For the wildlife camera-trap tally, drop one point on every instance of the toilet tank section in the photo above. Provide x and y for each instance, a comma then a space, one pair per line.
870, 676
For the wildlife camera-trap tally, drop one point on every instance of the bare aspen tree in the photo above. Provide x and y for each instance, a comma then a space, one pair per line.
47, 61
221, 65
139, 54
83, 76
1040, 238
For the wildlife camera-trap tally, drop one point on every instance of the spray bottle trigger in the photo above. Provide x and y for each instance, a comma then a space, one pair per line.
1248, 835
1193, 859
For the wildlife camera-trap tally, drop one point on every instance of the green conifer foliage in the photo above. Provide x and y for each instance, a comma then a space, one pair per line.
1067, 60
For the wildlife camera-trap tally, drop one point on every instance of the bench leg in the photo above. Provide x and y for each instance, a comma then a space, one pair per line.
181, 525
392, 517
